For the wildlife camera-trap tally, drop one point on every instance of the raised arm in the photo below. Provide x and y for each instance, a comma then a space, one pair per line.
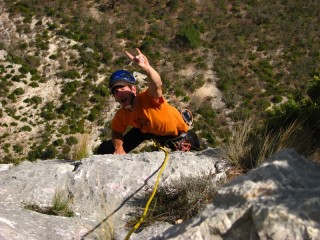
155, 83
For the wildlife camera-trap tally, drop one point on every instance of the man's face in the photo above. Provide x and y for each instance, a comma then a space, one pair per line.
124, 95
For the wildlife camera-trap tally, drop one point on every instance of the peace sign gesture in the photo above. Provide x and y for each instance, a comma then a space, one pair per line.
140, 59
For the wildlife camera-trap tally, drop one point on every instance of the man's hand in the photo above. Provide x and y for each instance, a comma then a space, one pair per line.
155, 83
141, 60
117, 140
119, 150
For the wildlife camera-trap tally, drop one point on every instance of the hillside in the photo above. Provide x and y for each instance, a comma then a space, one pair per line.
56, 57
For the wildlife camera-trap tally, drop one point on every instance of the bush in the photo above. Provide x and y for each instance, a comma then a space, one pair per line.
70, 87
94, 113
276, 99
17, 148
58, 142
188, 37
182, 200
72, 74
26, 129
34, 100
33, 84
314, 90
16, 78
6, 147
49, 153
71, 140
76, 126
34, 154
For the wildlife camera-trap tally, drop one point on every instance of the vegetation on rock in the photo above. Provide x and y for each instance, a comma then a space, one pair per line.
56, 57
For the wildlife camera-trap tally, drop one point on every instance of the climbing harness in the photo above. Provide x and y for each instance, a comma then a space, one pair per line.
135, 227
179, 143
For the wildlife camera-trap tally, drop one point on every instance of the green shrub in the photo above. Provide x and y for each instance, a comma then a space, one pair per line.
76, 126
102, 91
94, 113
188, 37
70, 87
18, 91
48, 115
179, 92
34, 84
71, 140
33, 62
276, 99
16, 78
72, 74
58, 142
27, 69
17, 148
65, 152
34, 100
49, 153
64, 129
314, 90
26, 128
34, 154
207, 113
6, 147
12, 97
8, 75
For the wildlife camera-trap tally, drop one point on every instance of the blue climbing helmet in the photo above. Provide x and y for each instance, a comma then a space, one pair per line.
121, 78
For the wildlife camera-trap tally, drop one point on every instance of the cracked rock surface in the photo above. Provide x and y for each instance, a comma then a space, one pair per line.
280, 199
99, 187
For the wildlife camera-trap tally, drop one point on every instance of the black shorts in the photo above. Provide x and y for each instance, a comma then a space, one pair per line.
134, 137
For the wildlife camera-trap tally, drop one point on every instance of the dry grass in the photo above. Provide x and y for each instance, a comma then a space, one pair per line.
177, 202
106, 229
61, 204
82, 149
246, 148
237, 147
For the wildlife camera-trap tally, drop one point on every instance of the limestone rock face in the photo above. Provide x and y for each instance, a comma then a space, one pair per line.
278, 200
100, 188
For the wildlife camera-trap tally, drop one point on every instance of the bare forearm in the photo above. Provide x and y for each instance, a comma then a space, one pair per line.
154, 77
117, 140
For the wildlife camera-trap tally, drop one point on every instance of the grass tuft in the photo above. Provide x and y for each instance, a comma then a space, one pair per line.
247, 147
81, 150
60, 206
180, 201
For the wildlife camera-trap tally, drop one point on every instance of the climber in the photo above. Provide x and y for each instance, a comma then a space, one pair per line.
147, 114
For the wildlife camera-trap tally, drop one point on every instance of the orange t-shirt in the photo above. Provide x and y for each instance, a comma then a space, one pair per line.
150, 116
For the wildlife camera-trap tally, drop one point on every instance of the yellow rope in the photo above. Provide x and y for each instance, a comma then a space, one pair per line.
135, 227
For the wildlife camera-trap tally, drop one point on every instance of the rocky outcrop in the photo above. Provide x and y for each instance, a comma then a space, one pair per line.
100, 187
278, 200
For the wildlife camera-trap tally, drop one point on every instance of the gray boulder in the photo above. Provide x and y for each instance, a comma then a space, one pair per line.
278, 200
100, 189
